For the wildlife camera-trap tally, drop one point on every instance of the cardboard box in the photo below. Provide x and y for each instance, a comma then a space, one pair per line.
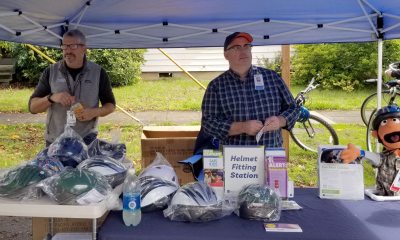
175, 143
41, 226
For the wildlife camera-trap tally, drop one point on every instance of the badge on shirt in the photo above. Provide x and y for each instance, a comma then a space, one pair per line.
71, 119
395, 187
259, 82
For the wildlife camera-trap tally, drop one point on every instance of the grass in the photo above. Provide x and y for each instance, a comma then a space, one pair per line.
19, 143
184, 95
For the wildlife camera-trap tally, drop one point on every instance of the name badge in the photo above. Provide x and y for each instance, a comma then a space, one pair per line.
259, 82
71, 119
395, 187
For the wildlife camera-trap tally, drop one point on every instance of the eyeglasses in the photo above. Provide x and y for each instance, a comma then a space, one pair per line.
70, 46
237, 48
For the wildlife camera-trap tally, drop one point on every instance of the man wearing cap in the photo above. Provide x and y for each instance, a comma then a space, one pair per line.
246, 100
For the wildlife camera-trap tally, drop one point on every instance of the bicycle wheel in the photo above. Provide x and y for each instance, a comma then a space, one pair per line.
369, 104
314, 132
371, 141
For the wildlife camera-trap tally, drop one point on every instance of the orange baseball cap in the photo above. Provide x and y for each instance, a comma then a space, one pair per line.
235, 35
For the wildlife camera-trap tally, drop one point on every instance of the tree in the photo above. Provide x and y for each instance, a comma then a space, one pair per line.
341, 65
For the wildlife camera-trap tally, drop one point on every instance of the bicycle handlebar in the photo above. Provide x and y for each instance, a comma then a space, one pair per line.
394, 66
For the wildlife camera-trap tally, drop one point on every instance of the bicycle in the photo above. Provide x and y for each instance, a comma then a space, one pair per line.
310, 131
389, 95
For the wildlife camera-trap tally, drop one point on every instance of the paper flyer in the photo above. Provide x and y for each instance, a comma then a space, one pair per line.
276, 170
213, 165
282, 227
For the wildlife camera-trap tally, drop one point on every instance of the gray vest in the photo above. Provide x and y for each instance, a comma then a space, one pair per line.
86, 91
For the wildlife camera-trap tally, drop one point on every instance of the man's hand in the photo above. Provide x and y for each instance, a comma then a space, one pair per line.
86, 114
274, 123
64, 98
252, 127
350, 154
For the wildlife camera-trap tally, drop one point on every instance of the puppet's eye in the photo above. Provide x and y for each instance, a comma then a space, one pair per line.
396, 120
384, 122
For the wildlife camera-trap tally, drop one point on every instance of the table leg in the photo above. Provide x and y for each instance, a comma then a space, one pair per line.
94, 229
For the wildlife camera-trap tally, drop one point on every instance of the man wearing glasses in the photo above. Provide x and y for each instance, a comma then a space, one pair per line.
246, 100
73, 80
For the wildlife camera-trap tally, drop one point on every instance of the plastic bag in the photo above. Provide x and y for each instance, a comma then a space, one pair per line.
19, 182
197, 202
76, 186
259, 202
50, 165
69, 148
113, 170
161, 168
100, 147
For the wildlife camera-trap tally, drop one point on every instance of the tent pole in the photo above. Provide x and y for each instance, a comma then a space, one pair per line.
52, 61
179, 66
379, 82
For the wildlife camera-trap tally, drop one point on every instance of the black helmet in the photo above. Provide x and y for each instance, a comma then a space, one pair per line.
114, 171
116, 151
156, 193
259, 202
69, 150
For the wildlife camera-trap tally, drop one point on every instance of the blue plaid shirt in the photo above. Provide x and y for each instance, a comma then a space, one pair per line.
228, 99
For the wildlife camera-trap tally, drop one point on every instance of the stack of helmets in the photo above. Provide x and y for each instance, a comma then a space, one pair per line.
76, 186
114, 171
164, 172
156, 193
69, 150
100, 147
259, 202
194, 202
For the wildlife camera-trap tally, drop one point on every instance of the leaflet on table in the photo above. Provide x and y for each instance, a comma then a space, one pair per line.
290, 205
336, 179
282, 227
243, 165
213, 165
276, 170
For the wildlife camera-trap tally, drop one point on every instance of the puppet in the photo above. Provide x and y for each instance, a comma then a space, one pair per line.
386, 128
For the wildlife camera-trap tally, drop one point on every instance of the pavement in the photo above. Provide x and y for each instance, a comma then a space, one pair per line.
175, 117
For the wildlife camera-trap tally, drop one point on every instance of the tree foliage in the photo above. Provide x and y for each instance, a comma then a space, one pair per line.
122, 65
341, 65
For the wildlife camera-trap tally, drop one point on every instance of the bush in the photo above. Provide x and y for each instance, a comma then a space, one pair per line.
122, 65
341, 65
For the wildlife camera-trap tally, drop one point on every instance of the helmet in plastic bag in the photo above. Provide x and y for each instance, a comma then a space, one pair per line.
13, 183
195, 194
259, 202
162, 171
116, 151
51, 165
69, 150
156, 193
114, 171
72, 183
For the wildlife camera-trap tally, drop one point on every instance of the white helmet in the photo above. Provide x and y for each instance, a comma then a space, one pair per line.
164, 172
156, 193
195, 194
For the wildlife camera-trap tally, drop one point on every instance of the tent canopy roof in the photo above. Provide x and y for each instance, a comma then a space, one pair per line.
194, 23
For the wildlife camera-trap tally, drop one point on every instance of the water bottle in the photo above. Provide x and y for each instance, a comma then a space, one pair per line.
131, 212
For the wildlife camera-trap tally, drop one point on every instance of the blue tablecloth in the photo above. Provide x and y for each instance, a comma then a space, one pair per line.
320, 219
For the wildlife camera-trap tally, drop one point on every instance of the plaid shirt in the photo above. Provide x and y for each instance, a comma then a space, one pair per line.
387, 167
228, 99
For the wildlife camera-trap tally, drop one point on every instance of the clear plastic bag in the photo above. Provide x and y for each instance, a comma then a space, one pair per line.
101, 147
161, 168
50, 165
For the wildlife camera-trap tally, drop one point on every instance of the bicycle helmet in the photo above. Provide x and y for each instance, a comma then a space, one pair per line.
195, 194
385, 113
304, 114
112, 170
156, 193
76, 186
15, 182
51, 165
70, 151
162, 171
259, 202
104, 148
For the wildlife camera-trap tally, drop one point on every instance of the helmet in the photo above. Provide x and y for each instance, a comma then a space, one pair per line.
195, 194
14, 183
51, 165
70, 150
385, 113
103, 148
72, 184
304, 114
162, 171
114, 171
259, 202
156, 193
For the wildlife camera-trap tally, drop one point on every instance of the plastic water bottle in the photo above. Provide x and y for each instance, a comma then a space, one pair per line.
131, 212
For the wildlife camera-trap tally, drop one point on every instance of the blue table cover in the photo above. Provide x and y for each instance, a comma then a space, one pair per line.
320, 219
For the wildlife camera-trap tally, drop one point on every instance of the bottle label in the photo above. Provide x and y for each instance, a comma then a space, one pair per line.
131, 201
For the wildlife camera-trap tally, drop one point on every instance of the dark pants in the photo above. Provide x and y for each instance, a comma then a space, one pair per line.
88, 139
